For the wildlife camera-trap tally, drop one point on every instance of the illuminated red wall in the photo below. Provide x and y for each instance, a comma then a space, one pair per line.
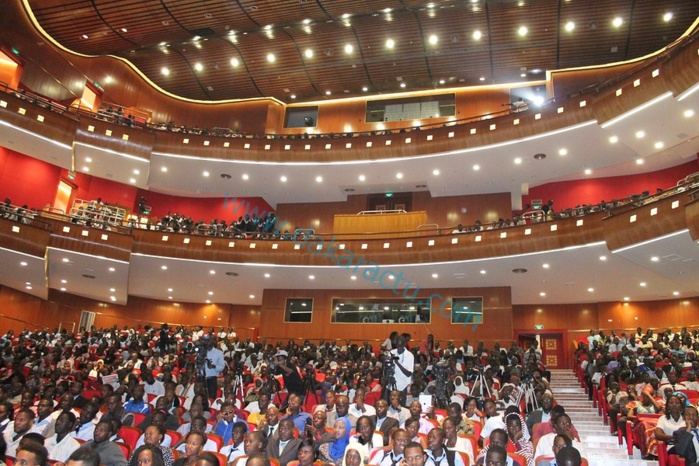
567, 194
26, 180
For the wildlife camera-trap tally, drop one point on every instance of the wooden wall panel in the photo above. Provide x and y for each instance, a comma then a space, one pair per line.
575, 81
319, 215
449, 211
29, 239
692, 217
659, 315
497, 324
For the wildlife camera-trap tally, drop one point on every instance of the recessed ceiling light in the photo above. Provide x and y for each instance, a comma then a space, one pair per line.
169, 297
112, 290
483, 272
271, 58
614, 139
86, 169
563, 151
542, 294
132, 180
23, 264
441, 81
64, 281
433, 39
112, 269
208, 301
292, 96
328, 92
163, 267
434, 275
689, 113
113, 298
570, 26
518, 160
85, 36
522, 31
477, 34
588, 171
546, 266
436, 172
234, 62
643, 284
476, 167
169, 290
311, 277
626, 298
319, 179
675, 293
126, 30
482, 78
668, 16
267, 275
308, 53
245, 176
163, 169
640, 134
353, 277
198, 66
617, 22
65, 259
590, 290
349, 48
523, 75
365, 89
283, 179
88, 159
212, 272
655, 259
252, 296
136, 172
399, 175
639, 161
402, 84
659, 145
211, 293
206, 174
362, 178
391, 277
390, 43
63, 289
165, 71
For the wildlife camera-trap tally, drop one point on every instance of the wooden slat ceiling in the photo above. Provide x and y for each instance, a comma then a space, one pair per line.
181, 34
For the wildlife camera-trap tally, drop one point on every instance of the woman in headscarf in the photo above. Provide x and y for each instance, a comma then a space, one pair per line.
334, 452
515, 435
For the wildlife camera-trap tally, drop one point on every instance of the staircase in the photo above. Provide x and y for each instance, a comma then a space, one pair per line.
601, 447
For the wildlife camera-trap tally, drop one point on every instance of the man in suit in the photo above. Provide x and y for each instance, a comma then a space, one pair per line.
382, 421
687, 438
285, 447
79, 401
271, 426
543, 414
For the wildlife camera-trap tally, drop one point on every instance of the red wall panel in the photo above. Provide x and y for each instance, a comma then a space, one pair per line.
26, 180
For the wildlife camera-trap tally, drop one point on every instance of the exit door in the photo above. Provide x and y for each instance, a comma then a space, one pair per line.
552, 351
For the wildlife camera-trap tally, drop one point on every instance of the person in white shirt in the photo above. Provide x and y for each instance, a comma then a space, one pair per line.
437, 452
562, 426
86, 427
24, 420
237, 446
44, 423
404, 365
198, 425
359, 408
61, 445
466, 349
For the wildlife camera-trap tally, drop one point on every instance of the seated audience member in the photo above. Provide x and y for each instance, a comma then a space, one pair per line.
383, 422
61, 445
454, 441
438, 453
396, 410
297, 416
515, 433
543, 428
155, 437
31, 437
147, 455
85, 428
83, 457
24, 420
258, 459
497, 455
306, 454
568, 456
563, 427
425, 426
199, 425
673, 383
109, 452
317, 430
465, 424
394, 456
44, 422
561, 441
115, 410
206, 458
284, 447
414, 455
328, 407
342, 405
686, 438
197, 410
542, 414
271, 422
333, 452
137, 404
365, 436
194, 442
359, 408
170, 421
32, 455
257, 415
157, 421
255, 443
236, 448
497, 438
670, 421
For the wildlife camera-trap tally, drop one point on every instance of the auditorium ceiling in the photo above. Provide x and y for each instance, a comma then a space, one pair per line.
301, 50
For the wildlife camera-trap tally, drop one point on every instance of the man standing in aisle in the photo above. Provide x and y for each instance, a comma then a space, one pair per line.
214, 365
405, 364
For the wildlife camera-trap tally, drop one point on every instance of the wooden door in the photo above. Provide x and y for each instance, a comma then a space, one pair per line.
552, 351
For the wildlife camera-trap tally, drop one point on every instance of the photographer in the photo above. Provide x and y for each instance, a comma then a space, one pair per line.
214, 365
291, 376
405, 364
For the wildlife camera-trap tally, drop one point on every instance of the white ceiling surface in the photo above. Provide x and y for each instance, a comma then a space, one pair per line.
104, 163
588, 147
30, 278
39, 147
88, 276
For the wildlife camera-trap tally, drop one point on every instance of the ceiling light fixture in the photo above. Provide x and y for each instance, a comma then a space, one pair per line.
390, 43
165, 71
271, 58
570, 26
668, 16
477, 34
349, 48
433, 39
617, 22
283, 179
522, 31
308, 53
234, 62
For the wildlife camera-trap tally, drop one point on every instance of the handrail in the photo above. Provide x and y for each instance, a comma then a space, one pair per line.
387, 211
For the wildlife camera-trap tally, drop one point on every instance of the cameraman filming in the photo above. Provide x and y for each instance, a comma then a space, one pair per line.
405, 364
290, 374
214, 365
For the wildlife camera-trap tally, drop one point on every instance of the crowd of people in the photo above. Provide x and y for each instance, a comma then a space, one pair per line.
643, 373
190, 396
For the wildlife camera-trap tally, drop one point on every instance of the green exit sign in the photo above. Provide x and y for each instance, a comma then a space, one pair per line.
539, 327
